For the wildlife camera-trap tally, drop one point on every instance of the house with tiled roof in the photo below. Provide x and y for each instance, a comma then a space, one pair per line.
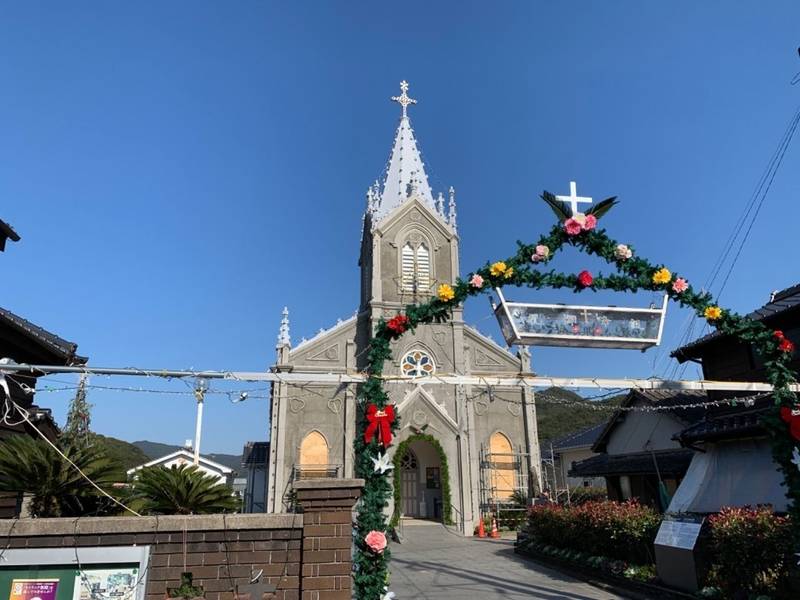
21, 341
560, 455
635, 451
732, 464
255, 467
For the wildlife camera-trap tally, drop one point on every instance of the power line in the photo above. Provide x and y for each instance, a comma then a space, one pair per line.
754, 206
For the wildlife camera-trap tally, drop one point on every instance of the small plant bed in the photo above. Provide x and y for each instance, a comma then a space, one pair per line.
638, 581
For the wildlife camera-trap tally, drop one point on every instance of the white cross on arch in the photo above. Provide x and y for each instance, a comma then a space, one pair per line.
573, 199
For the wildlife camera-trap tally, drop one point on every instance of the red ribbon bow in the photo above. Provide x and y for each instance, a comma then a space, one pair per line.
380, 421
792, 417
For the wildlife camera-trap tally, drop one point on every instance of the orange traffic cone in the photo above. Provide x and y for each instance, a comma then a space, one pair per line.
481, 529
495, 533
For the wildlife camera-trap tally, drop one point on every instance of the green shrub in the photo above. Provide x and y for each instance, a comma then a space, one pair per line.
751, 550
623, 531
581, 495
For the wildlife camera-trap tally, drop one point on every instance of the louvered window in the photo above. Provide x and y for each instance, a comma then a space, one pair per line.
408, 268
415, 268
423, 269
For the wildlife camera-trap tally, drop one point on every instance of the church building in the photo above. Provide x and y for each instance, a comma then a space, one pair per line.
469, 448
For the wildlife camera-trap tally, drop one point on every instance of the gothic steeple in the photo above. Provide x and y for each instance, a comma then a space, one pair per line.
405, 174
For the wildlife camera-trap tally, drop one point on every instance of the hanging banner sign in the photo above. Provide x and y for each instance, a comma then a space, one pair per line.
33, 589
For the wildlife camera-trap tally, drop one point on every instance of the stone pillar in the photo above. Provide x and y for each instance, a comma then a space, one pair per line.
327, 536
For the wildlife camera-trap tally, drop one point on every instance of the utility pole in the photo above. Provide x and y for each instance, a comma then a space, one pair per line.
200, 389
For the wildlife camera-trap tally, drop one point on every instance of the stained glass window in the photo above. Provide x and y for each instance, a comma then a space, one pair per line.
417, 363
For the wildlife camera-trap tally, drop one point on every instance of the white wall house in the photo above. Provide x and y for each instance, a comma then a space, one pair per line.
186, 457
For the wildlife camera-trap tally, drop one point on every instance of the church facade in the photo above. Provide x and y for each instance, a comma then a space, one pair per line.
483, 440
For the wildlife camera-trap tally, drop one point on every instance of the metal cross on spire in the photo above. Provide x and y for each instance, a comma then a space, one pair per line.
573, 199
403, 99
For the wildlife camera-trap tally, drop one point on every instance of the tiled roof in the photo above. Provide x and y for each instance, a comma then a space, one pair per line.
7, 233
670, 462
780, 303
255, 453
50, 341
578, 439
735, 423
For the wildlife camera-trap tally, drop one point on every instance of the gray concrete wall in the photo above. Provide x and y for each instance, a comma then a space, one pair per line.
641, 431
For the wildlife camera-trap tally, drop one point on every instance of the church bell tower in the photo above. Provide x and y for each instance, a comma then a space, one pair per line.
409, 243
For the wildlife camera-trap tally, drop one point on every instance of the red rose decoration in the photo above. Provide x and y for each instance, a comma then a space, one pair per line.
777, 334
788, 415
585, 278
786, 345
398, 324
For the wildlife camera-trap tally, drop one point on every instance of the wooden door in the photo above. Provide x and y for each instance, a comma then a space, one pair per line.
409, 476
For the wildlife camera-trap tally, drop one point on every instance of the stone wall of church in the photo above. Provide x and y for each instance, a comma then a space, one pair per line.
416, 225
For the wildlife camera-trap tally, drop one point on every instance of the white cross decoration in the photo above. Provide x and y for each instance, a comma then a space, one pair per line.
403, 99
573, 199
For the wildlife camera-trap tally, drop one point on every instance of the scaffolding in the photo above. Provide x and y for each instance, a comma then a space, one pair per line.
505, 489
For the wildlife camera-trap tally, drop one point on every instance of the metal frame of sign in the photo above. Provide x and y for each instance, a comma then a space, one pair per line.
88, 557
513, 335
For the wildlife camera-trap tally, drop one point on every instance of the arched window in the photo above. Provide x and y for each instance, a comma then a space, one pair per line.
415, 267
313, 451
502, 476
417, 363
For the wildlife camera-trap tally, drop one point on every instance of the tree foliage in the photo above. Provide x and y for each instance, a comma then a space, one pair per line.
32, 466
181, 490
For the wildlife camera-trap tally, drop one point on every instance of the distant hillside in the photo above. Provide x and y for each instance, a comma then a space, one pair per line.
556, 420
124, 453
156, 450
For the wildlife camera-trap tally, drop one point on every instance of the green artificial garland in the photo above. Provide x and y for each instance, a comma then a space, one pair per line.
633, 274
444, 476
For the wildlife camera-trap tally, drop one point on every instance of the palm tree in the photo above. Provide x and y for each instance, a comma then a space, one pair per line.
181, 490
32, 466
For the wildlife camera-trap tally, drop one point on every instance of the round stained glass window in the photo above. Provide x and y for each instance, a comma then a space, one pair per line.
417, 363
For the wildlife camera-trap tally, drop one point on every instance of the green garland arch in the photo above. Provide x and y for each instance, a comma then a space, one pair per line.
522, 269
444, 476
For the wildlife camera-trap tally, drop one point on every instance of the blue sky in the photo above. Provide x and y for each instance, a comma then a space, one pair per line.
181, 171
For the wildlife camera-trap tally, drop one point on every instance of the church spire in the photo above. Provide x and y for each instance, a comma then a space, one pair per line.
405, 174
283, 334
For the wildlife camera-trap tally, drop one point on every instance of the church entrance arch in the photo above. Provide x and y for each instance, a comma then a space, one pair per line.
421, 480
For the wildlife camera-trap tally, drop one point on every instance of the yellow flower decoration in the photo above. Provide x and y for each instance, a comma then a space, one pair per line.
498, 269
712, 313
662, 276
445, 293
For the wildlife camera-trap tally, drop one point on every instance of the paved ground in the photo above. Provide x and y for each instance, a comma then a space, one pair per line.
437, 564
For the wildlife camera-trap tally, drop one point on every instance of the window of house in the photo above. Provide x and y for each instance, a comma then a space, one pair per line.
417, 363
415, 268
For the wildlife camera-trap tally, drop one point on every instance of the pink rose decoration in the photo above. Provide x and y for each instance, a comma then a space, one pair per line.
572, 226
622, 252
476, 281
679, 285
376, 540
541, 253
585, 278
589, 223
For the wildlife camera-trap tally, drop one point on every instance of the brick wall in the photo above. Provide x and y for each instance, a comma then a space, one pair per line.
305, 556
327, 537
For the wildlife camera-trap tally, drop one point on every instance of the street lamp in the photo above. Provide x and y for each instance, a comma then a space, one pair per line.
200, 389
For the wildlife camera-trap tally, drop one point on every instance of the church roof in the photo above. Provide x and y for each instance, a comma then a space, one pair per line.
405, 175
405, 172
